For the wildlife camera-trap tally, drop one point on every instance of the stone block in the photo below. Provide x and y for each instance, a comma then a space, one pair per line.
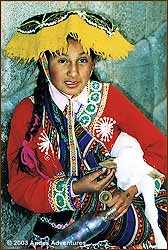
160, 116
157, 43
14, 219
156, 14
13, 95
24, 235
17, 76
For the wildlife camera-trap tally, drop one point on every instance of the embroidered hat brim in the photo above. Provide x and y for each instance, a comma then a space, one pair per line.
49, 32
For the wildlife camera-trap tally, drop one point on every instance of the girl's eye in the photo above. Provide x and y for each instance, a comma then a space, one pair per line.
83, 60
62, 60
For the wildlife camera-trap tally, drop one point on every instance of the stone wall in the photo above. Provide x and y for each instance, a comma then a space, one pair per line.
142, 77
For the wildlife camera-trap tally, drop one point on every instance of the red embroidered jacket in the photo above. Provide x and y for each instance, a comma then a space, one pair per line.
43, 194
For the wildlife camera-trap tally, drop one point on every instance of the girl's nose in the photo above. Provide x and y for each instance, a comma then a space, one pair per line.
73, 70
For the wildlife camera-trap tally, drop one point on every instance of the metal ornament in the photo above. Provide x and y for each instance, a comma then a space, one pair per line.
111, 214
105, 196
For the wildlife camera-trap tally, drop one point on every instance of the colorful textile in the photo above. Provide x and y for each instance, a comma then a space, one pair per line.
53, 154
72, 140
59, 194
90, 151
132, 231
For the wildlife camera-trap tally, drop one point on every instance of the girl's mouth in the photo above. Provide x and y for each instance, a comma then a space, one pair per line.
71, 84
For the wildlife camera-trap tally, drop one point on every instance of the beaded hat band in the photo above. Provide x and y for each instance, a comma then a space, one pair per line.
49, 32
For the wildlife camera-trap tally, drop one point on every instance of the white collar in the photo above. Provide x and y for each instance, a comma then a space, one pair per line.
61, 100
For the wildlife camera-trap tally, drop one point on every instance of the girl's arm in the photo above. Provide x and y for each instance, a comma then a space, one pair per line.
132, 121
32, 191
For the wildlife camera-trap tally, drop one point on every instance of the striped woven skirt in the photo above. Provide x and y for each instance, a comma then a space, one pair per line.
131, 231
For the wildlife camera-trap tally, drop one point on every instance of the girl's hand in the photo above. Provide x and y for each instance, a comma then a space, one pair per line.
121, 201
90, 183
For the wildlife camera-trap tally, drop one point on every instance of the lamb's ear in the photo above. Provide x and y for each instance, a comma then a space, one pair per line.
155, 174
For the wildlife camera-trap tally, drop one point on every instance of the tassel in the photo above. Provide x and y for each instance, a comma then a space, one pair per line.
29, 158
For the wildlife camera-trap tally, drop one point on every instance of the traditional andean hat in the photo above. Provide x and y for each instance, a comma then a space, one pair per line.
49, 32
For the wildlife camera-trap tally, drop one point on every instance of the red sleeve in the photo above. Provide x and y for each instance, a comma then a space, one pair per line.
32, 192
132, 121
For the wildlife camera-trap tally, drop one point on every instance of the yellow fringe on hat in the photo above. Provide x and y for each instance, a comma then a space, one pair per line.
25, 47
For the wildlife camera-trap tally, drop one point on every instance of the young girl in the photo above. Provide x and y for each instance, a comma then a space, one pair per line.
71, 123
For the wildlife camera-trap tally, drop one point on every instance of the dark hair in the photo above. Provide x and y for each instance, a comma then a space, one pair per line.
38, 105
37, 110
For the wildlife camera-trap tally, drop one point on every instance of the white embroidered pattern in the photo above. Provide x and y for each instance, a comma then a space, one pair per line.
104, 128
45, 144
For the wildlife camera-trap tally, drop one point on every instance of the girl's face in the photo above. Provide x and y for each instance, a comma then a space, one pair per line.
71, 71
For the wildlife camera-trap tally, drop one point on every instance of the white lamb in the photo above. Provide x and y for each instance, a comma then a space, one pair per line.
133, 170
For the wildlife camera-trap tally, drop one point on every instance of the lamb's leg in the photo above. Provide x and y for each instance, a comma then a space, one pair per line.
147, 188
